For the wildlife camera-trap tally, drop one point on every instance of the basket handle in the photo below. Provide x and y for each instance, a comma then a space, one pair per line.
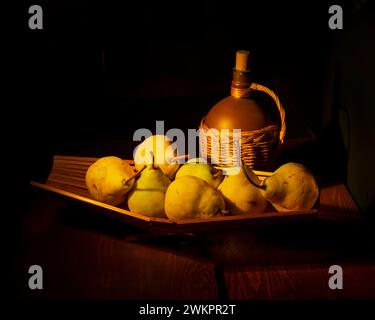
244, 92
259, 87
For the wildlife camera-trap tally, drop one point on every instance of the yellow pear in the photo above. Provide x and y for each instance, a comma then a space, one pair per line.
240, 195
163, 155
148, 194
199, 168
190, 197
108, 180
291, 187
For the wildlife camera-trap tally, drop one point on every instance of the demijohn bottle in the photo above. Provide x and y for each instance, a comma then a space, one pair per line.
261, 132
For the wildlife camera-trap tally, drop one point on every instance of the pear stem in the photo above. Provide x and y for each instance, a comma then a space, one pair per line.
217, 174
134, 175
153, 160
255, 184
182, 156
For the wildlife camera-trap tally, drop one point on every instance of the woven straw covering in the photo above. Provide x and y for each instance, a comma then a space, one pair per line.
258, 147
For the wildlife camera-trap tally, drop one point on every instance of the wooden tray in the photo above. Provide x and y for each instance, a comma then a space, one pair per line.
67, 179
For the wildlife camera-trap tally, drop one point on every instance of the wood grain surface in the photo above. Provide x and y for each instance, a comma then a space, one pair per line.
300, 282
293, 263
86, 256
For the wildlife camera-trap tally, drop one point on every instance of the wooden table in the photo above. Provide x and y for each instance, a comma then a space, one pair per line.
86, 256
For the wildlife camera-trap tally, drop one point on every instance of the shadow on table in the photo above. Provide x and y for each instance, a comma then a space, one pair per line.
298, 243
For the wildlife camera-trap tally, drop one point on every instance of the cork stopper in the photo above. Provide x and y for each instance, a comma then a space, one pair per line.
242, 60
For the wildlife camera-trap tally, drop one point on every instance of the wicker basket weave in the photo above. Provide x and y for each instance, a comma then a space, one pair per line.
258, 147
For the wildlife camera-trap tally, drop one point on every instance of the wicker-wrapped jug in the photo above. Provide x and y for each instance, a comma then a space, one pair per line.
239, 127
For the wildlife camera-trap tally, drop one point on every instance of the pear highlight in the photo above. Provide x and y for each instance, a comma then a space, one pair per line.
197, 167
109, 179
164, 155
190, 197
291, 187
148, 194
240, 195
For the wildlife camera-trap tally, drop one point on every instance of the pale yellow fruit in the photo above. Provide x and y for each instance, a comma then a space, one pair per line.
240, 195
190, 197
205, 171
291, 187
105, 180
157, 150
148, 194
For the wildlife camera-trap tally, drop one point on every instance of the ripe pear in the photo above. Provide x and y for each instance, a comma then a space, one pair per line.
199, 168
148, 194
190, 197
108, 180
163, 155
291, 187
240, 195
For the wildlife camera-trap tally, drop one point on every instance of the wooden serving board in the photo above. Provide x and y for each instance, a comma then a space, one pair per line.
67, 179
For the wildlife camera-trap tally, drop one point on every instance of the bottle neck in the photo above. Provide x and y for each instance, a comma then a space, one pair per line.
241, 82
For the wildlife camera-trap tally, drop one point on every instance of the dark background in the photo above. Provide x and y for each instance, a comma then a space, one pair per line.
100, 70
